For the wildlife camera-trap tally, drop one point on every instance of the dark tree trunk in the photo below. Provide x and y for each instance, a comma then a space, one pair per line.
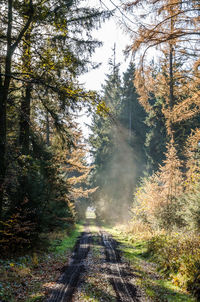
4, 89
25, 121
26, 100
24, 131
24, 143
171, 77
3, 101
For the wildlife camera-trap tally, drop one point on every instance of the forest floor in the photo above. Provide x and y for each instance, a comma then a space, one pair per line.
105, 266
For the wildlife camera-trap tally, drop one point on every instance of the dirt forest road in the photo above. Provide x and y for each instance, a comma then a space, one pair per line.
112, 270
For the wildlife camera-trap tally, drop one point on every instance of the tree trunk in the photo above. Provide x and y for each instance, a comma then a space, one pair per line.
24, 131
24, 143
4, 89
3, 105
171, 85
25, 121
26, 101
171, 75
3, 101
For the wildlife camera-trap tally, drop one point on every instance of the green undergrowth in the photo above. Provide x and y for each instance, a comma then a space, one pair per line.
28, 278
178, 258
157, 285
66, 243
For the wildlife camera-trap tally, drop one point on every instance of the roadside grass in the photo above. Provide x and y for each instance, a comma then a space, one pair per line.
29, 278
66, 244
156, 286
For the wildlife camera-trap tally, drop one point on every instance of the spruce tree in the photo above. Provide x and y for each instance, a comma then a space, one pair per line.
132, 116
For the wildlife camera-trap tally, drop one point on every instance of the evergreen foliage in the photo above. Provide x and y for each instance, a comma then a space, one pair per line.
45, 46
132, 114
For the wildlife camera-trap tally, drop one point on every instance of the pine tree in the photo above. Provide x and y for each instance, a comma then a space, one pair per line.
132, 116
156, 137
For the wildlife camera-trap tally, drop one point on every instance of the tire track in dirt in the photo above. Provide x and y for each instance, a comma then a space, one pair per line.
66, 284
125, 291
115, 270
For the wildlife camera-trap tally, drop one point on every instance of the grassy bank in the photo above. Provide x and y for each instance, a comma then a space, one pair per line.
29, 278
151, 271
